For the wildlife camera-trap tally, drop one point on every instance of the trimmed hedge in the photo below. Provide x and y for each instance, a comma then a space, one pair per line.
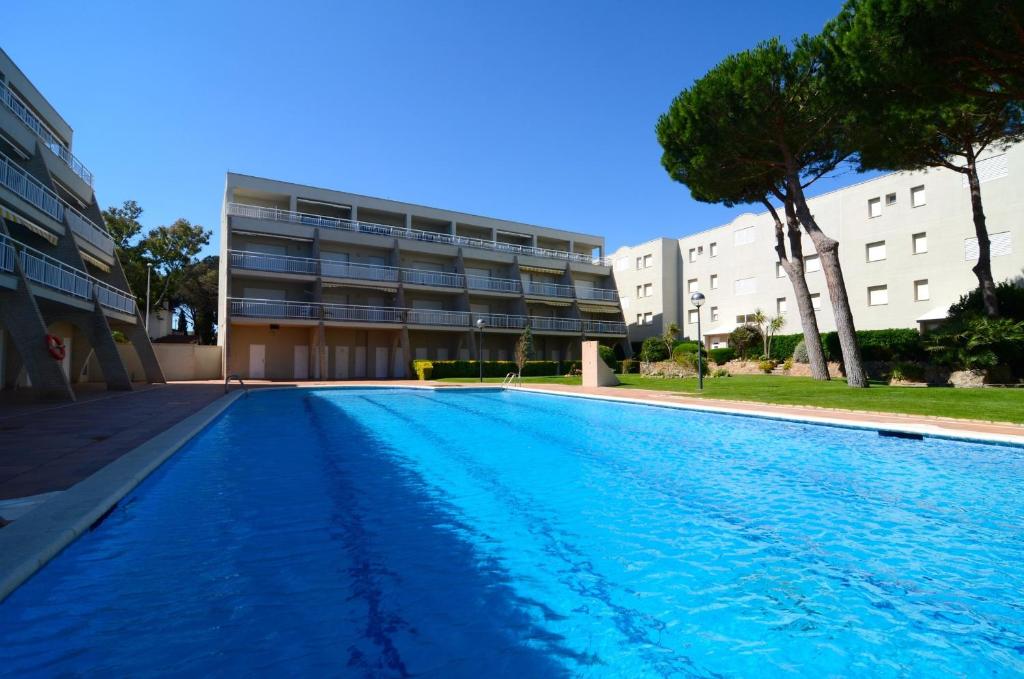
435, 370
890, 344
783, 345
722, 355
607, 355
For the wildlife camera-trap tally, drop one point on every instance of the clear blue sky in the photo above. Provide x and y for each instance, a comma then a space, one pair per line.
540, 112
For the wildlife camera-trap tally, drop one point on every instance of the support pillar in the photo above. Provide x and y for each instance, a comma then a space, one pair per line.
93, 324
20, 315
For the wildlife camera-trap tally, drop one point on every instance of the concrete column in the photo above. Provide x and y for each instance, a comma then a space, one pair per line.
408, 221
93, 324
355, 213
451, 228
293, 203
20, 315
144, 348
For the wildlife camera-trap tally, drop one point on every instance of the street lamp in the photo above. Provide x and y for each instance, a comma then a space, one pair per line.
697, 300
149, 275
480, 325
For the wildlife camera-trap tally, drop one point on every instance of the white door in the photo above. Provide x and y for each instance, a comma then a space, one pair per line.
341, 363
65, 363
360, 367
380, 368
257, 361
302, 362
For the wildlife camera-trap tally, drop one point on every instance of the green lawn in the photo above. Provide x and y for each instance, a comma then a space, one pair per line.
1001, 405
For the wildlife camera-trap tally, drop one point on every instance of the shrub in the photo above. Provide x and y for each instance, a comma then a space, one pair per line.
767, 365
800, 353
907, 372
685, 353
119, 337
788, 364
424, 370
685, 358
720, 372
653, 350
745, 340
628, 365
722, 355
783, 346
685, 345
1010, 296
890, 344
607, 355
979, 343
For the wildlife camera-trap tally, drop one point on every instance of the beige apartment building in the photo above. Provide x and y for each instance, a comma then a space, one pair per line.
62, 289
907, 245
323, 284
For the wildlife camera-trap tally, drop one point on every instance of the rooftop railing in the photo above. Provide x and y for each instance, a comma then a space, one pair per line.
602, 294
18, 107
512, 285
539, 289
278, 215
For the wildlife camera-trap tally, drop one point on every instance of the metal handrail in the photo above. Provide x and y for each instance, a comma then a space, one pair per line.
604, 327
542, 289
513, 285
234, 376
603, 294
512, 380
439, 278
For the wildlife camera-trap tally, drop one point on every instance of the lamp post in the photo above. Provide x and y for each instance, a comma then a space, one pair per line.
149, 275
697, 300
480, 325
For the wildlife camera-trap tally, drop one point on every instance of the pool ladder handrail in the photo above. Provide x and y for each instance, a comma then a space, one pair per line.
512, 380
234, 376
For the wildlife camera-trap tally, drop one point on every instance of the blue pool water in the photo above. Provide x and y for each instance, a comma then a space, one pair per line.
398, 533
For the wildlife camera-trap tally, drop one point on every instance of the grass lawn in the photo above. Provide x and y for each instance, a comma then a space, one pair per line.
1001, 405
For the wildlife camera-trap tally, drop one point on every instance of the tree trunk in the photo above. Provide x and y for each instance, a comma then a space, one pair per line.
983, 269
828, 250
793, 265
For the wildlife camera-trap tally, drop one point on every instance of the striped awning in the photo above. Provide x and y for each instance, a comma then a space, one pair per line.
548, 302
593, 309
541, 269
92, 261
31, 226
378, 288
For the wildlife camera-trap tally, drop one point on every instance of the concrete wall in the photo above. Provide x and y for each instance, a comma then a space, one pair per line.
189, 361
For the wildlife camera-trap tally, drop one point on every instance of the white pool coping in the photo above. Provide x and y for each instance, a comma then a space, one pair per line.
26, 545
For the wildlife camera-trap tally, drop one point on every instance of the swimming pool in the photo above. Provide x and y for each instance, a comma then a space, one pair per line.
391, 532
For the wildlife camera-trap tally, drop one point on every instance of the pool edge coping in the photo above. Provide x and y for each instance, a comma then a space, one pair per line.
28, 544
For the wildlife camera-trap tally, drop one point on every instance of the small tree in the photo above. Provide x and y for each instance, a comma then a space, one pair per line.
669, 337
743, 338
524, 349
768, 326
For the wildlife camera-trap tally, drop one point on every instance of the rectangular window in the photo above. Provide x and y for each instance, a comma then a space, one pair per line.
878, 295
779, 271
816, 301
999, 245
921, 292
649, 318
890, 199
639, 319
648, 261
691, 316
714, 249
745, 286
691, 285
639, 263
693, 254
875, 208
875, 251
744, 236
812, 263
920, 241
780, 306
918, 196
745, 318
647, 289
639, 291
714, 281
714, 313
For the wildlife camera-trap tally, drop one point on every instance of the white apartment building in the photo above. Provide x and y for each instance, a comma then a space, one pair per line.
906, 243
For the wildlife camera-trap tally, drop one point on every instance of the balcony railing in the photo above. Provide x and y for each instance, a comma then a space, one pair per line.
366, 272
313, 311
501, 321
257, 261
7, 254
437, 317
437, 278
556, 324
84, 227
602, 294
494, 284
278, 215
44, 270
604, 327
548, 289
18, 107
362, 314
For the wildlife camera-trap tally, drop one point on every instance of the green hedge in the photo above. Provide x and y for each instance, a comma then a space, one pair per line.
722, 355
435, 370
783, 345
890, 344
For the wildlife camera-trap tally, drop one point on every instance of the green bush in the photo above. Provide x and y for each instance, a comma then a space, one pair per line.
607, 355
685, 353
720, 372
788, 364
628, 365
907, 372
800, 353
890, 344
426, 370
767, 365
653, 350
979, 343
783, 346
1010, 296
745, 340
722, 355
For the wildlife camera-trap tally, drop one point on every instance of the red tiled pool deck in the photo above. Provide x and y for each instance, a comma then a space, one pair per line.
50, 447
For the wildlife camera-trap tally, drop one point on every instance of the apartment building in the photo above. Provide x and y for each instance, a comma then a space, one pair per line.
62, 289
906, 243
324, 284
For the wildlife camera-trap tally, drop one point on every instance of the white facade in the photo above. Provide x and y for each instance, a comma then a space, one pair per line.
906, 243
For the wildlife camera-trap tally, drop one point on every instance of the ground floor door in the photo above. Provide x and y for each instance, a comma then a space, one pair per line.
381, 363
301, 362
257, 361
341, 363
360, 366
65, 363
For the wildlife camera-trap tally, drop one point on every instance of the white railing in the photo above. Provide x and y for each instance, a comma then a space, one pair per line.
29, 188
362, 314
604, 327
44, 270
438, 278
504, 321
84, 227
272, 308
278, 215
603, 294
7, 254
258, 261
494, 284
548, 289
557, 324
367, 272
437, 317
13, 102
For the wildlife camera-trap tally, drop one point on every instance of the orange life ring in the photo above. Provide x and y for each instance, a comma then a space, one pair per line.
56, 347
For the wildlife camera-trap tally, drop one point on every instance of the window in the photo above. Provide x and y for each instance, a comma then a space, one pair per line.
744, 236
691, 316
714, 281
639, 319
890, 199
639, 263
647, 289
693, 254
714, 249
878, 295
745, 286
639, 291
779, 271
812, 263
691, 285
920, 241
816, 301
875, 251
918, 196
875, 208
648, 261
993, 167
745, 318
714, 313
780, 306
999, 245
649, 318
921, 290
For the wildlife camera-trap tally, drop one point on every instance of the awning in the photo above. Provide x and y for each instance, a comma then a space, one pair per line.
101, 265
549, 302
590, 309
378, 288
720, 330
937, 314
540, 269
34, 228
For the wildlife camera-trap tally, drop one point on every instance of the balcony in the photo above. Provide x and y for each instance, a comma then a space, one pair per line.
599, 294
535, 289
50, 273
277, 215
313, 311
508, 285
7, 254
257, 261
604, 327
435, 278
437, 317
18, 107
542, 323
83, 227
365, 272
